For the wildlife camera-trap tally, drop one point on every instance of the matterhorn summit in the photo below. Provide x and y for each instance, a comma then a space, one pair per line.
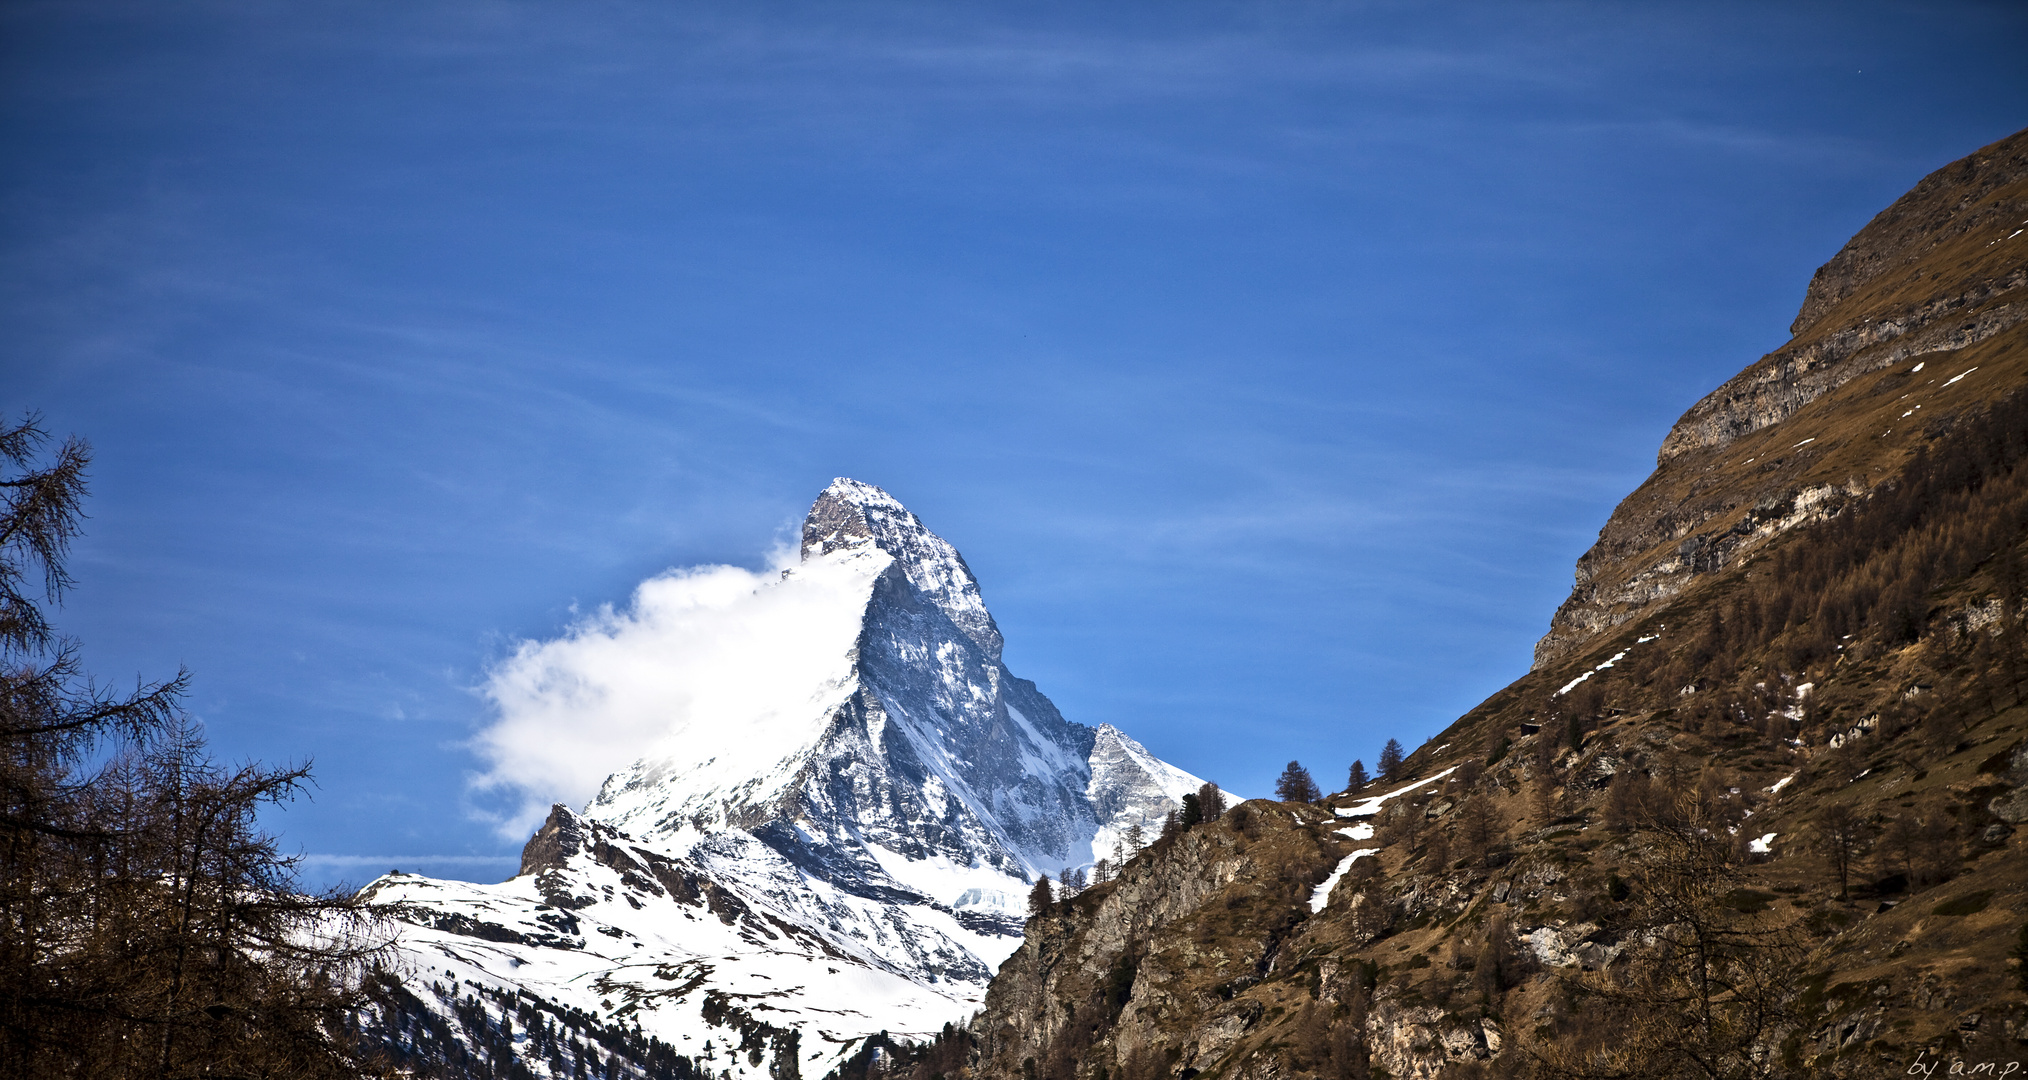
844, 850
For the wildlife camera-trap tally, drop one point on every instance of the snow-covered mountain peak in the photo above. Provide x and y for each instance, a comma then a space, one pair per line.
918, 749
729, 737
854, 788
849, 513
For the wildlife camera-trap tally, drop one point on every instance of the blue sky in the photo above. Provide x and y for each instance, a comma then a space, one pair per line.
1271, 364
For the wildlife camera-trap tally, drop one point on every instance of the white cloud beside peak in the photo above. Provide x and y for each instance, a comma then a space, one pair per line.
714, 664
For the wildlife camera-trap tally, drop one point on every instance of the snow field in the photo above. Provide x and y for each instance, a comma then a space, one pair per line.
647, 957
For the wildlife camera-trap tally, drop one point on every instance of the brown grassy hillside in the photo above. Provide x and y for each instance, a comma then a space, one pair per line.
1756, 812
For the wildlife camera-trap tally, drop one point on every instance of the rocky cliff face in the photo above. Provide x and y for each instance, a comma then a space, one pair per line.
1938, 278
851, 863
1754, 812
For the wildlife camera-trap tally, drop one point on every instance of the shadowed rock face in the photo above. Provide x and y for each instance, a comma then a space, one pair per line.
1938, 278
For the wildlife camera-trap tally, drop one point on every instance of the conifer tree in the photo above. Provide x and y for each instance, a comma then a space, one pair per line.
1041, 896
2020, 955
148, 927
1476, 827
1390, 760
1210, 801
1295, 785
1357, 778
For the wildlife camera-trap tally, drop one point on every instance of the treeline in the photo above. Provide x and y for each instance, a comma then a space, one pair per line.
880, 1057
1295, 784
148, 926
1326, 1042
1207, 804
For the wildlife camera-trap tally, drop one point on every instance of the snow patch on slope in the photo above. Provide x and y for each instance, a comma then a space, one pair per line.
1321, 895
1370, 807
626, 951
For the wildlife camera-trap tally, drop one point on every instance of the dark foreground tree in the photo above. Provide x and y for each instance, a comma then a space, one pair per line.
1841, 832
148, 927
1210, 801
1295, 785
1041, 896
1390, 760
2020, 955
1356, 778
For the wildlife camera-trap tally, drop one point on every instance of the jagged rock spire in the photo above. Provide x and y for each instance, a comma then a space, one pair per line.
850, 512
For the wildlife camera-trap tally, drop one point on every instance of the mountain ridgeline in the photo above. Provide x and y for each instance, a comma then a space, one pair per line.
1756, 810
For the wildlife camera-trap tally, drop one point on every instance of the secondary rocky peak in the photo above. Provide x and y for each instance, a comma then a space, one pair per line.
560, 837
850, 513
1125, 776
1947, 204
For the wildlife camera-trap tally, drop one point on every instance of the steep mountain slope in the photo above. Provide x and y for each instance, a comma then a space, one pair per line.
1753, 813
796, 866
1936, 280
